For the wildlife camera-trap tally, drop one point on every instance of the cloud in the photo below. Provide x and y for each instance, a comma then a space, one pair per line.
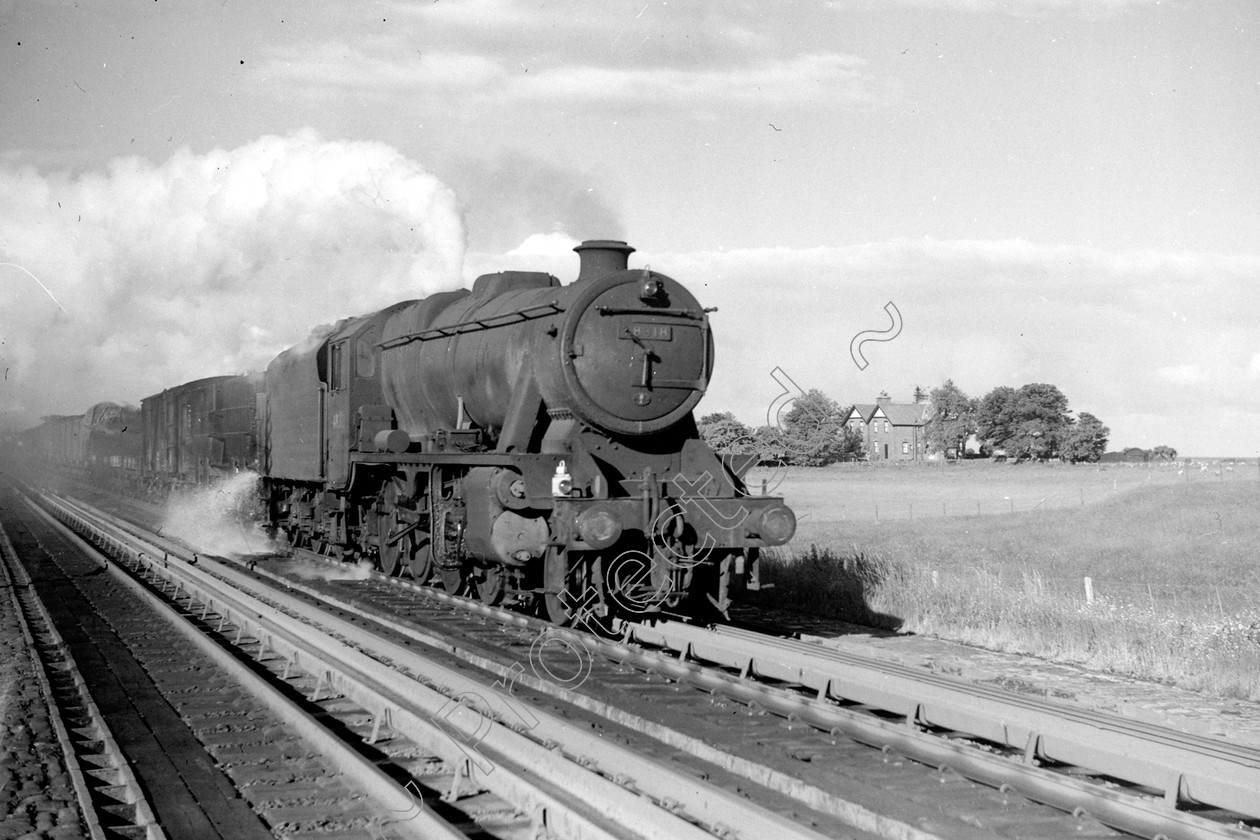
659, 34
987, 313
1215, 367
344, 67
470, 57
206, 264
1182, 374
382, 71
211, 263
825, 80
1089, 9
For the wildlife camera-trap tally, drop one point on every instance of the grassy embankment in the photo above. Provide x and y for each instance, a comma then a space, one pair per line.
1174, 568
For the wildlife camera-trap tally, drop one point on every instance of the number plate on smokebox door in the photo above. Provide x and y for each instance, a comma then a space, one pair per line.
650, 332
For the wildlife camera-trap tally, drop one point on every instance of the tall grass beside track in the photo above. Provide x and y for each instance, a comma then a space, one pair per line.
1174, 568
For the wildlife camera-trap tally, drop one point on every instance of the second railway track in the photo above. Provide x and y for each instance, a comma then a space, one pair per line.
653, 687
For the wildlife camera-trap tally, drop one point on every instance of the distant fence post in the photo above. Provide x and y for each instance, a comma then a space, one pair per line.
1089, 590
1012, 504
911, 511
876, 513
977, 507
936, 579
1082, 497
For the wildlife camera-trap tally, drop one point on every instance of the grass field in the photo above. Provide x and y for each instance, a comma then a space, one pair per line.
828, 500
1172, 562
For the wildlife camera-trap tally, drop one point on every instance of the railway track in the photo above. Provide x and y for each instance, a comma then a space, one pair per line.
562, 778
90, 757
189, 742
1138, 779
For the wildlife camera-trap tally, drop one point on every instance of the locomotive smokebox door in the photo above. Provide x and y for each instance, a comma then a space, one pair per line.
636, 352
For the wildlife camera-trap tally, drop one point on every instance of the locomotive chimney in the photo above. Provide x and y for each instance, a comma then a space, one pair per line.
602, 256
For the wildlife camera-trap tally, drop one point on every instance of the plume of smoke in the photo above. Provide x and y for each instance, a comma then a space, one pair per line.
116, 284
518, 195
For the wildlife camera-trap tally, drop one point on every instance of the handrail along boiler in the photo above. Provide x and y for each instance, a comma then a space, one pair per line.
521, 439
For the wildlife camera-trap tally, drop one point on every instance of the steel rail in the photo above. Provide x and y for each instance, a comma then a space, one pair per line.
585, 786
310, 651
109, 757
824, 801
1136, 813
1128, 811
1188, 768
864, 683
1142, 815
412, 821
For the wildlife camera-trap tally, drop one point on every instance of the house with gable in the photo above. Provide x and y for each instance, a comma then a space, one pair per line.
891, 431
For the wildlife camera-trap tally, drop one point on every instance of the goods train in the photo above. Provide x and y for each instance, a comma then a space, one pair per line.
521, 440
100, 445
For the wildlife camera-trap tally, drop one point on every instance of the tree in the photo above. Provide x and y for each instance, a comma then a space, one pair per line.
771, 445
1043, 420
852, 444
1085, 440
814, 430
995, 416
953, 418
1163, 453
727, 435
1028, 423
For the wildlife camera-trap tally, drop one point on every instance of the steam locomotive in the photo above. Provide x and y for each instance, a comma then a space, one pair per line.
521, 440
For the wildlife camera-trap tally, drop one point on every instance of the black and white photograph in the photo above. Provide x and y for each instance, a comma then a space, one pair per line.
532, 419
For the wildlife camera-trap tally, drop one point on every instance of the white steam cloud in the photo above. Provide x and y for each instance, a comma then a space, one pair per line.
116, 284
215, 519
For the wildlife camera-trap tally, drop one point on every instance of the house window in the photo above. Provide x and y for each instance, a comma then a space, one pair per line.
905, 447
885, 425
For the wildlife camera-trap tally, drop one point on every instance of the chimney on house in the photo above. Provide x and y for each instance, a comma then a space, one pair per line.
883, 398
920, 396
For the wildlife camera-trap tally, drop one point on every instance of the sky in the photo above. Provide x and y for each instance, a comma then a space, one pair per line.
1041, 190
